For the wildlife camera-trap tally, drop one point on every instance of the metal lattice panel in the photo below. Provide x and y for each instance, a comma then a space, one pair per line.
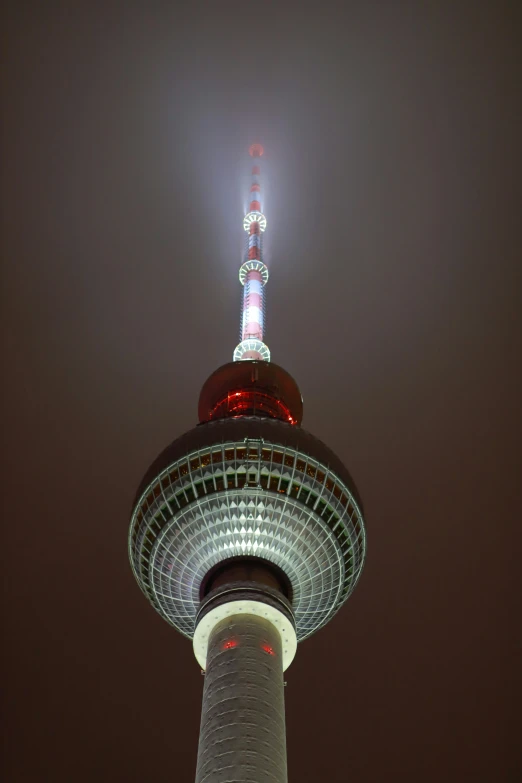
246, 523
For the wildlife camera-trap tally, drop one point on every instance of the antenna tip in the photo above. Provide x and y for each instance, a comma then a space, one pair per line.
256, 150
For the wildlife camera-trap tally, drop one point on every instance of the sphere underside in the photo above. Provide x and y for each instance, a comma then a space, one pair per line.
237, 488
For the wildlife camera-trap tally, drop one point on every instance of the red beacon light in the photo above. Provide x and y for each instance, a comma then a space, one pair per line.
256, 150
229, 644
269, 650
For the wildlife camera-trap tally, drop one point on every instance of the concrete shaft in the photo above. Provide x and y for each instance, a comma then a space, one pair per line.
242, 736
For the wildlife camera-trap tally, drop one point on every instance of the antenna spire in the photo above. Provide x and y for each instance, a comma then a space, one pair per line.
253, 274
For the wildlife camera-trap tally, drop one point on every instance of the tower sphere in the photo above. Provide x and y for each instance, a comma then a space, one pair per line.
247, 486
256, 150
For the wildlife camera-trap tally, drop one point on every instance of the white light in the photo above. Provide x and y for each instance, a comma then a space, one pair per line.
256, 266
255, 287
254, 217
252, 345
279, 621
253, 315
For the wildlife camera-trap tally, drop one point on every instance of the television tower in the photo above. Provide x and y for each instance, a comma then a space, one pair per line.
247, 535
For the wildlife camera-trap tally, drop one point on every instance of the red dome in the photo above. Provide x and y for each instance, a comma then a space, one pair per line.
250, 388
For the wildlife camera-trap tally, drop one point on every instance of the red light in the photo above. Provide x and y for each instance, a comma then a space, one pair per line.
256, 150
268, 649
229, 644
251, 402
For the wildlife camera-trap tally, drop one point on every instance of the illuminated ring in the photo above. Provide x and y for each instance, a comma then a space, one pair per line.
280, 622
252, 345
254, 217
253, 266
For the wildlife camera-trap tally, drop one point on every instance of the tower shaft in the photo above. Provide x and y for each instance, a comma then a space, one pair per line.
242, 736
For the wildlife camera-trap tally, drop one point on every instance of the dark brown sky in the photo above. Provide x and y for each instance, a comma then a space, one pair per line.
393, 200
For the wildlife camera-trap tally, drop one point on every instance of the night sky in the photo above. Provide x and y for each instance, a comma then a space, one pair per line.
391, 132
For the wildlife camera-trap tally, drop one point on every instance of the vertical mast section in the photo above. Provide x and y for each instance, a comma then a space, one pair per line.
253, 273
